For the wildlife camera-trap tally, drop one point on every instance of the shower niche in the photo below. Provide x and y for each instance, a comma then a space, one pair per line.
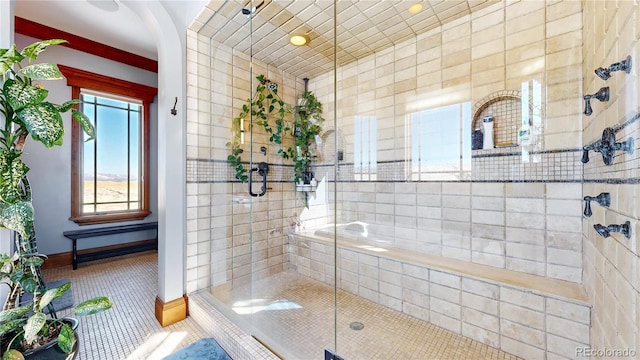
509, 128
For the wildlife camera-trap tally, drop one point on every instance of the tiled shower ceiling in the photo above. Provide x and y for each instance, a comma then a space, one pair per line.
363, 27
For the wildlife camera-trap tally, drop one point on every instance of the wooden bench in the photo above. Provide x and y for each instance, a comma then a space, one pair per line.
74, 235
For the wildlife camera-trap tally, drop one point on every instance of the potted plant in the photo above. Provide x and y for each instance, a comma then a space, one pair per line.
306, 126
26, 113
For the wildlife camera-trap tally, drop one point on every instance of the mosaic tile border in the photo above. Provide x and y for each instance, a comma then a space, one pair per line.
491, 165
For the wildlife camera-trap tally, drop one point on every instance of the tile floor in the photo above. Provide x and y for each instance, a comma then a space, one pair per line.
294, 316
129, 330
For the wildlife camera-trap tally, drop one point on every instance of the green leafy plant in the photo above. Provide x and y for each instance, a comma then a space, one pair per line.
264, 107
27, 114
26, 327
279, 120
307, 125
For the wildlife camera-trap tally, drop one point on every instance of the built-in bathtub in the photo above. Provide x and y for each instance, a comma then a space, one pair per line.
531, 316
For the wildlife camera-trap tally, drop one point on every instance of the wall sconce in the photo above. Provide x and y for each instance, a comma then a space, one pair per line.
241, 130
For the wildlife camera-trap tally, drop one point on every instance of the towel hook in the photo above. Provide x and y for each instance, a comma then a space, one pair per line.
174, 111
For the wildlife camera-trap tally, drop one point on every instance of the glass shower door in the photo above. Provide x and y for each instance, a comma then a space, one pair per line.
292, 273
277, 275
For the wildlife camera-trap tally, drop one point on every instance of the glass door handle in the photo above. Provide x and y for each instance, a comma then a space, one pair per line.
262, 170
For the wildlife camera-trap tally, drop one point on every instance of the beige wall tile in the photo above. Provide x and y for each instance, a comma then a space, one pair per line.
520, 349
489, 48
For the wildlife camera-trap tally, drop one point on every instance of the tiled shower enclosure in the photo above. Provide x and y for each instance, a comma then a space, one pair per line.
491, 245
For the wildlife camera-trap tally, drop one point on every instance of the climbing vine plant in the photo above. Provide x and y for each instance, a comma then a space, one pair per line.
265, 105
278, 119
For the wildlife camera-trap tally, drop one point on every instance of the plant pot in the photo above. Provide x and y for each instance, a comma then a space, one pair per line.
51, 351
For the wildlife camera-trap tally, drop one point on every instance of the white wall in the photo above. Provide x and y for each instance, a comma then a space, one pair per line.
50, 173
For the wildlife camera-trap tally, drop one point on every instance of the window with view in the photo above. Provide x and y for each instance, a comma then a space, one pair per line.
439, 138
110, 173
111, 162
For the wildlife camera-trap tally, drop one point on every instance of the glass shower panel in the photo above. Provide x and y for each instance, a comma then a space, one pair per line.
448, 167
292, 281
231, 207
278, 124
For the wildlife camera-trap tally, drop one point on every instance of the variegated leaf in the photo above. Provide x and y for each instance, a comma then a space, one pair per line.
93, 306
68, 105
9, 57
66, 339
11, 325
33, 50
12, 171
12, 354
86, 124
29, 284
17, 217
42, 71
16, 276
10, 314
44, 123
54, 293
47, 297
34, 325
33, 261
6, 268
21, 95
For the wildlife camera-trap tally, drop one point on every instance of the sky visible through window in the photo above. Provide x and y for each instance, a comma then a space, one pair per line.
438, 146
117, 129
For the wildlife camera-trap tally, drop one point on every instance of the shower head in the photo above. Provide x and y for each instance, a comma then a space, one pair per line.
249, 10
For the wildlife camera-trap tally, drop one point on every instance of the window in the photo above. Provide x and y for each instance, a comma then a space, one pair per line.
109, 175
365, 159
440, 148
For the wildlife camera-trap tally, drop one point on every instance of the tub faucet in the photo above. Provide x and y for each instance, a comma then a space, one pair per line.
604, 199
605, 231
602, 95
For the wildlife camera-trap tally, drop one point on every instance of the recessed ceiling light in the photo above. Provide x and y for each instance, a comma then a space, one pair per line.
415, 8
299, 40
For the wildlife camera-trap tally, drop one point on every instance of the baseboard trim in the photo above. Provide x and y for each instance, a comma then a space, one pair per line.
66, 258
173, 311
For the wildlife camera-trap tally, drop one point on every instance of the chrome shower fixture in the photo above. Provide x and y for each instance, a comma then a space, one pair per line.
602, 95
605, 231
249, 10
624, 65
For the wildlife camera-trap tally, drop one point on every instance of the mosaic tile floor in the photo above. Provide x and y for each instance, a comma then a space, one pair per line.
293, 315
129, 330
